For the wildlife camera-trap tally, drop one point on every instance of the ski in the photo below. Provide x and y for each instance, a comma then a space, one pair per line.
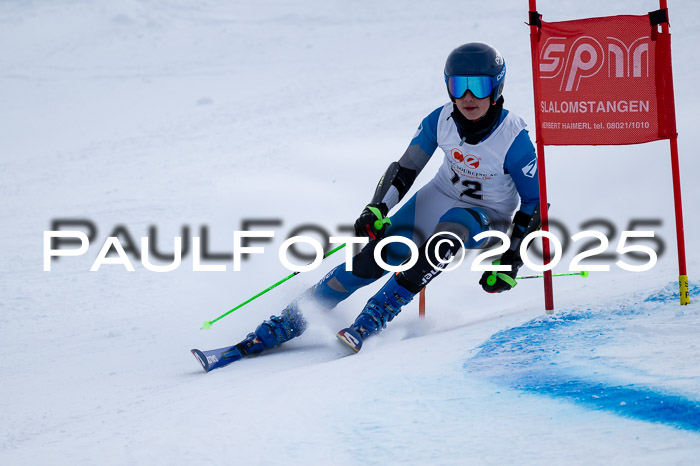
213, 359
216, 358
351, 338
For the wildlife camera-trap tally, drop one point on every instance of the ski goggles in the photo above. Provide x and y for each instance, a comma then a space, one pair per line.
480, 86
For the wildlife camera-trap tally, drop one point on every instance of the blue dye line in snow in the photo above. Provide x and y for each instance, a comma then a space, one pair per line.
529, 358
640, 403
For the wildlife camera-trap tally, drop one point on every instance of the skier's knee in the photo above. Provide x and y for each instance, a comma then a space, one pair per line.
433, 257
364, 265
471, 218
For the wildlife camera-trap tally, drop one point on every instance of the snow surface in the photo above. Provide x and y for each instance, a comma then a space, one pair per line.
202, 113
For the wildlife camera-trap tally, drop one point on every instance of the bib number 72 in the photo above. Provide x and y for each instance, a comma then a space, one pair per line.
473, 187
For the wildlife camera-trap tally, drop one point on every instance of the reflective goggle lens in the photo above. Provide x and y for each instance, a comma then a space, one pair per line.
480, 86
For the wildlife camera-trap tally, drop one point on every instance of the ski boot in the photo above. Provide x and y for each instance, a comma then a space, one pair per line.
271, 333
289, 324
380, 309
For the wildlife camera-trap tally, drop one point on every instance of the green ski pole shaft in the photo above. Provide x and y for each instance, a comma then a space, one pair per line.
583, 274
207, 324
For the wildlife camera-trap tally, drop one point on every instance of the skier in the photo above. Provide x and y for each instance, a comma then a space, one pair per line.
489, 166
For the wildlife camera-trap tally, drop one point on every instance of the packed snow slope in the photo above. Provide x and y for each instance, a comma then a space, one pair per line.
192, 118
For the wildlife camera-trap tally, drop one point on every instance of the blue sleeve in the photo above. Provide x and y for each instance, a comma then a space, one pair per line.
521, 164
426, 135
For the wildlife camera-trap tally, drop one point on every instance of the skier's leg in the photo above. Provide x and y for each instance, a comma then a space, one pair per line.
336, 286
403, 286
340, 283
463, 223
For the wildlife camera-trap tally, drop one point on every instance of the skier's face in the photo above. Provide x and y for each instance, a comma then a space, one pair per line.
471, 107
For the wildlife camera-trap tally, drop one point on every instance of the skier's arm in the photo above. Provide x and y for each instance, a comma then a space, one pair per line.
410, 164
521, 164
399, 177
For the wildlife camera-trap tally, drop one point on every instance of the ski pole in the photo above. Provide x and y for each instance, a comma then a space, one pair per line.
583, 274
208, 323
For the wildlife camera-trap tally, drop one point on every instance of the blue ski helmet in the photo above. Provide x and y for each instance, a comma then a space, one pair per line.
475, 67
